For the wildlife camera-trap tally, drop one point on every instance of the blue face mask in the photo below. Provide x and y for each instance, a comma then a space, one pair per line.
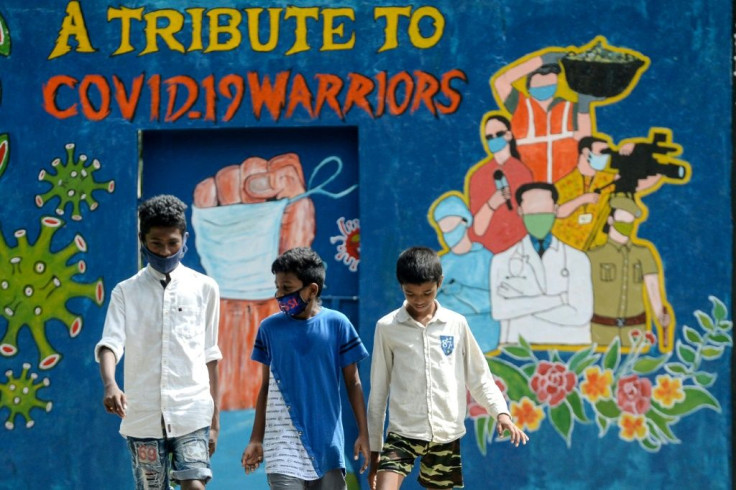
544, 92
454, 236
497, 144
292, 304
165, 264
598, 162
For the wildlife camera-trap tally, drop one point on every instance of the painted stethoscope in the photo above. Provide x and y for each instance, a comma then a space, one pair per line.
519, 259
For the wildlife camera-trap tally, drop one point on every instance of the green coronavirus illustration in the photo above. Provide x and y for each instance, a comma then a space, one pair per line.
73, 183
35, 285
20, 396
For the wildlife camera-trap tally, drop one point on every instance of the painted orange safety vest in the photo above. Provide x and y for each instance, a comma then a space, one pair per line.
545, 138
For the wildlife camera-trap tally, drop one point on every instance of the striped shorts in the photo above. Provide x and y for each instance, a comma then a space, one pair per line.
439, 466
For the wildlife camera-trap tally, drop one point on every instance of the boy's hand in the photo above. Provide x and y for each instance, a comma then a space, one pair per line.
252, 457
374, 469
504, 423
362, 446
115, 401
214, 433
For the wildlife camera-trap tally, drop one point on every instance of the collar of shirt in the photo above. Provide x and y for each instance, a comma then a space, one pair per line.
618, 246
440, 315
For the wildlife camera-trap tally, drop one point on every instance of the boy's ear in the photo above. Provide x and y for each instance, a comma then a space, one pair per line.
439, 283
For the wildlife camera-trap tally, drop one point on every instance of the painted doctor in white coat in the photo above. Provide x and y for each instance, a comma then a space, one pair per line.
541, 288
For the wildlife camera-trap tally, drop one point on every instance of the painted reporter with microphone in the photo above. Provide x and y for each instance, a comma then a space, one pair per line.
491, 185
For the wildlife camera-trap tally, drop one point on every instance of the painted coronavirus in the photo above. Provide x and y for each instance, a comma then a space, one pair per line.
348, 248
20, 396
72, 182
35, 285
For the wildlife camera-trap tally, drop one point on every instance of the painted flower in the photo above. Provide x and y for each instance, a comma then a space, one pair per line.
668, 390
597, 384
475, 409
632, 427
634, 394
526, 414
552, 382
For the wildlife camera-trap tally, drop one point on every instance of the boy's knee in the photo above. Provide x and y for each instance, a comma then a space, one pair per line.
192, 485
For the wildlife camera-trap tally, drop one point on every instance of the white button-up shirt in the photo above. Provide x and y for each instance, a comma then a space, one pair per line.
426, 370
168, 336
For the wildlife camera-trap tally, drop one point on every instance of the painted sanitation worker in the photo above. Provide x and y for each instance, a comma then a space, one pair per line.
164, 320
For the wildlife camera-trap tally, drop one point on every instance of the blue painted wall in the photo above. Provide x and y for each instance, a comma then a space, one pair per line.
406, 159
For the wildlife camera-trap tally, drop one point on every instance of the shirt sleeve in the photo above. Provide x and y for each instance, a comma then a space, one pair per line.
113, 332
261, 352
351, 348
381, 365
479, 380
212, 350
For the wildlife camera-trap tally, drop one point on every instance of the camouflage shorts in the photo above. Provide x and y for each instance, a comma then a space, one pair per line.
439, 466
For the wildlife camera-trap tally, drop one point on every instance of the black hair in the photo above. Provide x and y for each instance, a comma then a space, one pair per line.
543, 70
535, 185
163, 210
512, 144
417, 265
304, 263
587, 142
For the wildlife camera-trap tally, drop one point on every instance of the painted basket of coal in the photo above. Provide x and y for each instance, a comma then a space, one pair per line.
601, 72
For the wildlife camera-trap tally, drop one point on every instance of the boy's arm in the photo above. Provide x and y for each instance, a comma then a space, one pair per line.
378, 396
114, 398
357, 402
253, 454
215, 393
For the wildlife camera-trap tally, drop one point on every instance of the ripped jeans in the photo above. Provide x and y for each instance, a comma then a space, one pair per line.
185, 457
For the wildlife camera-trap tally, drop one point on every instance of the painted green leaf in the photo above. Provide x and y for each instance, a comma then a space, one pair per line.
662, 423
4, 38
695, 399
686, 353
650, 445
719, 309
704, 320
517, 383
712, 353
607, 408
554, 356
602, 423
577, 363
529, 370
692, 335
725, 325
612, 356
524, 343
516, 352
576, 404
561, 418
675, 368
720, 338
705, 379
480, 433
646, 365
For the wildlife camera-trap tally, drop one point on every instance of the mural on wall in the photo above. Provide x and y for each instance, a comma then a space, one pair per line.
541, 254
580, 293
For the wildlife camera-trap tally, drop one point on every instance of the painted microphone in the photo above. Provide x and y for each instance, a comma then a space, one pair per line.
501, 184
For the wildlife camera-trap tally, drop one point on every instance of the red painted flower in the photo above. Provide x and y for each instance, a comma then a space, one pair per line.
634, 394
552, 382
475, 409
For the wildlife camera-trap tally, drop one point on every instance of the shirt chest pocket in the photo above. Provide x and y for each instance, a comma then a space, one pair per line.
608, 272
637, 273
187, 321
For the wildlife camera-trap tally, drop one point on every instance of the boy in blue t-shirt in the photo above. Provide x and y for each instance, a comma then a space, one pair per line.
303, 349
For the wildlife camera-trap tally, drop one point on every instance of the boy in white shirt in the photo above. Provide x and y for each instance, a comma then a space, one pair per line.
165, 320
424, 357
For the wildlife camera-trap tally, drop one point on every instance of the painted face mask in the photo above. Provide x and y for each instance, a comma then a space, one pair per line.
598, 162
454, 236
497, 144
544, 92
165, 264
623, 227
292, 304
539, 224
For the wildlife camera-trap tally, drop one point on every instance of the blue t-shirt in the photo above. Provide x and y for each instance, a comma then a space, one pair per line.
306, 358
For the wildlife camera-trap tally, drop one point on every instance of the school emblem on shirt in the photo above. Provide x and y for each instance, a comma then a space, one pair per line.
448, 344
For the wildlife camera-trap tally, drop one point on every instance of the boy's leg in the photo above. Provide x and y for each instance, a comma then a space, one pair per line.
191, 459
277, 481
397, 460
441, 467
332, 480
150, 463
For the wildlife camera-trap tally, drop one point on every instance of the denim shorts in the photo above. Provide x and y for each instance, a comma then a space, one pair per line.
157, 461
332, 480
